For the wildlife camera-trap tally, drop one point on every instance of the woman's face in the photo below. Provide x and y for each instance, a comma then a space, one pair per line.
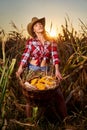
38, 28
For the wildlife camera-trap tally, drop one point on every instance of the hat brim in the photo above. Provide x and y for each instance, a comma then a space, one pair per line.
30, 25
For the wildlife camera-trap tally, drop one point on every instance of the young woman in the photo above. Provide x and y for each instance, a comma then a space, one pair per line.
37, 55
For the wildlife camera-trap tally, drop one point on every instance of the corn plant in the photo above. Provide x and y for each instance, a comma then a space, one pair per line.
5, 73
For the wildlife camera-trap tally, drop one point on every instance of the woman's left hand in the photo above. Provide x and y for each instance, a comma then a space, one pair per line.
58, 75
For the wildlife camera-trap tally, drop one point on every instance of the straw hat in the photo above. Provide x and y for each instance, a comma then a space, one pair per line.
31, 24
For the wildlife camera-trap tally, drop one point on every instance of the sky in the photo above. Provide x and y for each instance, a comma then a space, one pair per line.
55, 11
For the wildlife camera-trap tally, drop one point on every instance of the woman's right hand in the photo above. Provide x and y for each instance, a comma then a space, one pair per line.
20, 70
17, 74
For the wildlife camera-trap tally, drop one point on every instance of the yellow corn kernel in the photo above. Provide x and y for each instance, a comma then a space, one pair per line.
40, 86
34, 81
48, 82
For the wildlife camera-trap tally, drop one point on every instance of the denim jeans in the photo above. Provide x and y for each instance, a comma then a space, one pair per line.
35, 68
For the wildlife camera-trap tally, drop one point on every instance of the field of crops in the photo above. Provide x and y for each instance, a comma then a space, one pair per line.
72, 47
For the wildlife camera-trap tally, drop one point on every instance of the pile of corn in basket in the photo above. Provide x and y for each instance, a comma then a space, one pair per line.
38, 86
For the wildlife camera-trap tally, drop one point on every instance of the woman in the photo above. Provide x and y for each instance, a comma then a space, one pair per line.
37, 55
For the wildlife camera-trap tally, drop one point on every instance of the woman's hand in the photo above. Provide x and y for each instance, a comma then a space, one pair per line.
17, 74
20, 70
58, 75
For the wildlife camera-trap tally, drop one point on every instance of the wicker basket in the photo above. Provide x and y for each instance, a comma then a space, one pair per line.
38, 97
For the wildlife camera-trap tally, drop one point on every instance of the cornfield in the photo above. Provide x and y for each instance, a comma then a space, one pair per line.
72, 48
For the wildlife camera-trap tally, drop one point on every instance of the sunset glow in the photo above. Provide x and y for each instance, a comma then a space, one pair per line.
55, 13
53, 33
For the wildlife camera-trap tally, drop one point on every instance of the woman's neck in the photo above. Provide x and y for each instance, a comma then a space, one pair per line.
41, 38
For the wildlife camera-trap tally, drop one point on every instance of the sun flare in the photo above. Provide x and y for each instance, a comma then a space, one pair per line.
52, 32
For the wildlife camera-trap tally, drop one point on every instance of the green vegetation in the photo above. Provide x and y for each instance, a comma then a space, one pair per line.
73, 55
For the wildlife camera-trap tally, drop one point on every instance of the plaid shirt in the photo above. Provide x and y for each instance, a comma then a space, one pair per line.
36, 51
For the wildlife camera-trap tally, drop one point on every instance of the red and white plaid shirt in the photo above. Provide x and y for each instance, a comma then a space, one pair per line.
37, 51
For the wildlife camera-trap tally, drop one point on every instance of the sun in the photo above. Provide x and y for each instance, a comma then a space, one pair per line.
52, 32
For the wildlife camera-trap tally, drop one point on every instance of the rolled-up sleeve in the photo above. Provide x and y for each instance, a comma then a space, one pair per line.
54, 53
26, 54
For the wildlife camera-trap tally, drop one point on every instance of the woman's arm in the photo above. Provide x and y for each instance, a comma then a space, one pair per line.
56, 60
24, 58
57, 72
19, 71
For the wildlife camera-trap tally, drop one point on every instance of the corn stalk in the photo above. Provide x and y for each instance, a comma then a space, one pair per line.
4, 81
